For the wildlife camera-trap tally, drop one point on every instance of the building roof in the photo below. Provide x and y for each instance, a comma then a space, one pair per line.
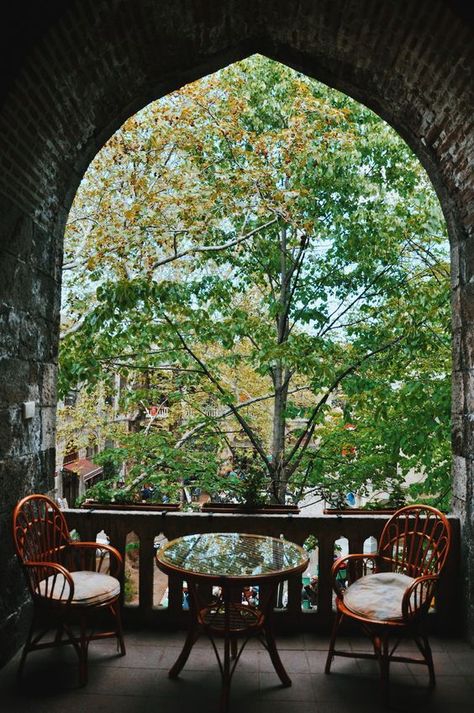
84, 468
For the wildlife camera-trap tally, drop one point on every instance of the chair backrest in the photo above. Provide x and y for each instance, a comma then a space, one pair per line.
415, 541
40, 531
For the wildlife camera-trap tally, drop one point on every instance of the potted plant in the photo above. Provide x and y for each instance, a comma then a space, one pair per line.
344, 505
113, 494
246, 491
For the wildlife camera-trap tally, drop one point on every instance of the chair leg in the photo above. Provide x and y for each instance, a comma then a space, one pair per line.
384, 662
59, 633
337, 622
115, 609
83, 647
425, 650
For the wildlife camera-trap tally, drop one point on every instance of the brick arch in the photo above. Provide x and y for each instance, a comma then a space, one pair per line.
95, 62
409, 62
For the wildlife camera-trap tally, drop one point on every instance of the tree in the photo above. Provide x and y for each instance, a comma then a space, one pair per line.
87, 422
258, 223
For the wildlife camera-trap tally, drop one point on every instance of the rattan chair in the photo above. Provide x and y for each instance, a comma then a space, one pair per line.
72, 583
390, 593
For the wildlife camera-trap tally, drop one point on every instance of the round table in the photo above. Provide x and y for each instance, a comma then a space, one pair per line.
229, 562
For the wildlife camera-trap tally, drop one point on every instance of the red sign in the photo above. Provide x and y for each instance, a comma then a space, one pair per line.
348, 451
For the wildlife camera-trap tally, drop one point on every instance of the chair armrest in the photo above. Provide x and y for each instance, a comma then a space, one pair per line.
356, 566
92, 554
418, 596
47, 573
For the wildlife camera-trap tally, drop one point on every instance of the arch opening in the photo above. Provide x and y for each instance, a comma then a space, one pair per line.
257, 281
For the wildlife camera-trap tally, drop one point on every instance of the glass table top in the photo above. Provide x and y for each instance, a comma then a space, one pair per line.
232, 555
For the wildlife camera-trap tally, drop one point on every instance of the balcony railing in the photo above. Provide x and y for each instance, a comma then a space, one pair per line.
154, 601
210, 411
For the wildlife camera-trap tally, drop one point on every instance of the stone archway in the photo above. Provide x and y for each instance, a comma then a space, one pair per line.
98, 61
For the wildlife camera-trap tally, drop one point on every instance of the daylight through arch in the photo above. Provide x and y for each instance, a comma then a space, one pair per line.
264, 260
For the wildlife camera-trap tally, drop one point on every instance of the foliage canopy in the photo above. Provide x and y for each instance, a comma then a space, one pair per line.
266, 257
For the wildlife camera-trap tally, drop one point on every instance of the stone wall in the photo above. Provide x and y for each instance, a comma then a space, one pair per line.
28, 355
91, 63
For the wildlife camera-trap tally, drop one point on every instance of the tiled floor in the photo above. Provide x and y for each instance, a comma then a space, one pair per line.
138, 682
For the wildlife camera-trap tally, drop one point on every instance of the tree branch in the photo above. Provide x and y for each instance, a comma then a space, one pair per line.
305, 438
356, 299
212, 248
230, 412
246, 427
77, 325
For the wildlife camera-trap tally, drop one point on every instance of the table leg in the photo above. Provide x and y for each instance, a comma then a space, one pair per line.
191, 638
192, 635
267, 600
226, 675
275, 656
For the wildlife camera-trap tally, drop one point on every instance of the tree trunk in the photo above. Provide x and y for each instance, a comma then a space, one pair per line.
281, 383
281, 378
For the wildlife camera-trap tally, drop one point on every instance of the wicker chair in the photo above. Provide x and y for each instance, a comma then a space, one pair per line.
68, 581
389, 593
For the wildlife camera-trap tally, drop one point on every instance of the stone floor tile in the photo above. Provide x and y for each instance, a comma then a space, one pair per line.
289, 642
301, 688
463, 662
315, 642
149, 637
443, 666
139, 656
264, 706
293, 661
316, 661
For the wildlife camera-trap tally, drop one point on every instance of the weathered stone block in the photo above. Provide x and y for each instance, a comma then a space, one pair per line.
45, 477
22, 475
468, 388
46, 252
19, 382
9, 330
48, 427
457, 391
19, 437
48, 390
456, 309
457, 435
463, 348
466, 302
460, 484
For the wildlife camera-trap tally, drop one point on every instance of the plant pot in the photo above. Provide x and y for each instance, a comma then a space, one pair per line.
159, 507
359, 511
250, 509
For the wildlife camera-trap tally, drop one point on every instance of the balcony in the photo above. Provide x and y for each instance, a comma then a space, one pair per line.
139, 681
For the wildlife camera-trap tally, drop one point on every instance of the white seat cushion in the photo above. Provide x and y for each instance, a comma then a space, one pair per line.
378, 596
89, 587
